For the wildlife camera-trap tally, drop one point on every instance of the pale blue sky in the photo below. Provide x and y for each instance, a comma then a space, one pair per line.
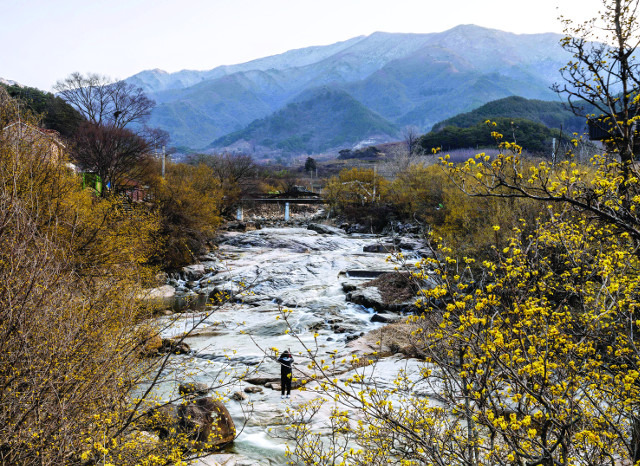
45, 40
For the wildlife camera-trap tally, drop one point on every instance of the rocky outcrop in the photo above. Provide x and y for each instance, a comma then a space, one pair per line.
369, 297
207, 422
203, 420
394, 292
325, 229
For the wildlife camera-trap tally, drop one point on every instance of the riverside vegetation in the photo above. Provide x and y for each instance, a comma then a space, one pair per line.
527, 338
75, 375
530, 355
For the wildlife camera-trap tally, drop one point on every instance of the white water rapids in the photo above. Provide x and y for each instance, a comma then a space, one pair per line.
291, 268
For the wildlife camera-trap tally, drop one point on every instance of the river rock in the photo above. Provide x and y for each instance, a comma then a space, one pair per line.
162, 293
325, 229
368, 297
379, 248
223, 459
193, 272
236, 226
151, 344
207, 422
170, 345
253, 389
299, 240
403, 228
409, 245
347, 287
384, 318
238, 396
276, 328
193, 388
274, 386
358, 228
260, 380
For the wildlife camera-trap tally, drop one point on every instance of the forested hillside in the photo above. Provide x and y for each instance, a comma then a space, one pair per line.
317, 120
533, 137
55, 112
554, 115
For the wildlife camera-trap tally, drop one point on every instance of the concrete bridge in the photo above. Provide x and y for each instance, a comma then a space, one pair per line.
287, 201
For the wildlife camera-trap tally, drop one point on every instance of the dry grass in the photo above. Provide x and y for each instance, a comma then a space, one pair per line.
392, 339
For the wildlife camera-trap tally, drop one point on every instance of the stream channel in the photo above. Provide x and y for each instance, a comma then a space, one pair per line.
293, 268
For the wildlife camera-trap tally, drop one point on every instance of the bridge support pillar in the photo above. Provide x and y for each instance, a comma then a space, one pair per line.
240, 214
286, 212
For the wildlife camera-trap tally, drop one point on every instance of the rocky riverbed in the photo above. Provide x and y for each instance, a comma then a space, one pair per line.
316, 276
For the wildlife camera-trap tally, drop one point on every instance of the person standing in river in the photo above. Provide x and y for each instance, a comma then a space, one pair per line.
286, 363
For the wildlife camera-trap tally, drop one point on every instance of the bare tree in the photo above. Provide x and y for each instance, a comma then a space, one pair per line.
110, 152
228, 167
410, 135
103, 101
604, 73
104, 145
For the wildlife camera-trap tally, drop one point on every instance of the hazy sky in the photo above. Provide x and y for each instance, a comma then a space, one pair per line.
45, 40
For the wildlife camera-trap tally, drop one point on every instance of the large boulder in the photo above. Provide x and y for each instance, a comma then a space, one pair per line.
162, 293
207, 422
163, 420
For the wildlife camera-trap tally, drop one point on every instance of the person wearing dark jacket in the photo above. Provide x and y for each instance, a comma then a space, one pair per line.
286, 362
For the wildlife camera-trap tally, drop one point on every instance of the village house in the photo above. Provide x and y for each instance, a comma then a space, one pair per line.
45, 141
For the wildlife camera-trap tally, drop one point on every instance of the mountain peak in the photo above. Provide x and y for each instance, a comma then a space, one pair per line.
385, 79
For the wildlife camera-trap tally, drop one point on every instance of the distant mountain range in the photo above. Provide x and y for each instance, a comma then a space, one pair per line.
369, 87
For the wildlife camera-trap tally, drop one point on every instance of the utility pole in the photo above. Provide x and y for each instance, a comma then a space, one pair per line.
375, 172
163, 160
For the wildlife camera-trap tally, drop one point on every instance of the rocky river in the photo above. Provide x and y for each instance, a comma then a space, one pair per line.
315, 275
